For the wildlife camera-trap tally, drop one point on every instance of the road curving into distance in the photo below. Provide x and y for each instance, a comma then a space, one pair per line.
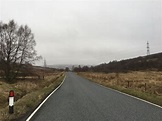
81, 100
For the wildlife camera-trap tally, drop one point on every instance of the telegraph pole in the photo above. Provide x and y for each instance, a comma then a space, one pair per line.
45, 65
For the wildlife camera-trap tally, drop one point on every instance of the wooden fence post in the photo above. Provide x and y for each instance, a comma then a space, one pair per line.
128, 83
145, 87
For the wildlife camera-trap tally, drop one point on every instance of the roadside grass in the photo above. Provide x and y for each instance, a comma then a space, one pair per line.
28, 95
136, 88
143, 95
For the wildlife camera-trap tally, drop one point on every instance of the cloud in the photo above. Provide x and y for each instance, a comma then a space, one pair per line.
89, 32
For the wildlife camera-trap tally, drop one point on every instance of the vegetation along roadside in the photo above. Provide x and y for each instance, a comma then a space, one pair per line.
28, 94
146, 85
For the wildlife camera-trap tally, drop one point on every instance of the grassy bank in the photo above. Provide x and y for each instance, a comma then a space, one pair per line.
145, 85
28, 94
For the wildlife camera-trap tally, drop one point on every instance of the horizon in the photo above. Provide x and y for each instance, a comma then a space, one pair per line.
62, 66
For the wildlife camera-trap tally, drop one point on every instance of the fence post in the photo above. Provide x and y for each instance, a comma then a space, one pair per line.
128, 84
11, 102
145, 87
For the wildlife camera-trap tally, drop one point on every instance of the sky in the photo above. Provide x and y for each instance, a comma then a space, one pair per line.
88, 32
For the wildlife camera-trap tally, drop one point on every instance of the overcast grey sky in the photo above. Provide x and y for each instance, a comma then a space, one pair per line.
88, 31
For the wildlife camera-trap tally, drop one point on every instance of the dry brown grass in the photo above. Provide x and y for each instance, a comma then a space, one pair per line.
28, 93
144, 84
136, 80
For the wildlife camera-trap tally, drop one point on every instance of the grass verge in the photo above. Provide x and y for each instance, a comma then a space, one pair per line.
31, 100
145, 96
154, 98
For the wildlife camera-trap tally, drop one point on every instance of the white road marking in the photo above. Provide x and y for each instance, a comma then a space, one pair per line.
28, 119
131, 96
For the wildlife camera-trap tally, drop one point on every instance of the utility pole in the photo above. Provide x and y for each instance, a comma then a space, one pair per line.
148, 48
45, 65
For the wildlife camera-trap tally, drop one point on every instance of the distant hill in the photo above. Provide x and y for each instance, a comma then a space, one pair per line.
150, 62
63, 66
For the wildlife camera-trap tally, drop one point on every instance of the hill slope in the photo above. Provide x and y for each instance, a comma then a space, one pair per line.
151, 62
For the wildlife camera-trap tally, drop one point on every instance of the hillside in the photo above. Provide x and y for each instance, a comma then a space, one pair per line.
151, 62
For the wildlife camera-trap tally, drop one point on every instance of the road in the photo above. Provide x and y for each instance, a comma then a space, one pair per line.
81, 100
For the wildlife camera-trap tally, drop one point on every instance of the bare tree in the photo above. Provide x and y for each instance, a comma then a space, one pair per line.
16, 49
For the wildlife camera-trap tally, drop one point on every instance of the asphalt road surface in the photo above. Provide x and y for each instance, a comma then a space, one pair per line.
81, 100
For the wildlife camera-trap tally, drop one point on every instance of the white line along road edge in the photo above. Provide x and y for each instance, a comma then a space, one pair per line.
28, 119
131, 96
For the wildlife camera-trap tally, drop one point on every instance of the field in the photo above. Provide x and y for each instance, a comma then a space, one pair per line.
143, 84
28, 94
